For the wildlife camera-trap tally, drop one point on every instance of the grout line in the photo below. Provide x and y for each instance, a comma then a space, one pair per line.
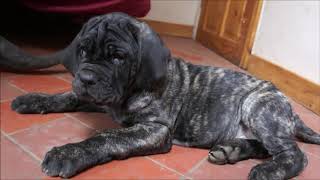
3, 133
12, 75
58, 90
38, 124
14, 86
304, 148
256, 160
196, 166
312, 154
17, 87
185, 178
62, 78
26, 92
23, 148
164, 166
7, 100
84, 124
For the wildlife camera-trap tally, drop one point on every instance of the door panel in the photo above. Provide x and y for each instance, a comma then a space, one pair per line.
232, 28
214, 18
223, 26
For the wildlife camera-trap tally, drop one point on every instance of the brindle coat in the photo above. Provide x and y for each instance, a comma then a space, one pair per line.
122, 67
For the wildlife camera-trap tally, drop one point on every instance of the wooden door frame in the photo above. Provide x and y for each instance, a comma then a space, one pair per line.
253, 26
298, 88
249, 39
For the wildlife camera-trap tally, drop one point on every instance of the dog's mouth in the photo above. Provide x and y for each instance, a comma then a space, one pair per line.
84, 94
97, 93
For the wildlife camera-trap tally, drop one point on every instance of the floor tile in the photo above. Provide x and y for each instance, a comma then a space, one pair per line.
5, 74
98, 121
180, 158
16, 164
310, 148
40, 139
12, 121
7, 91
39, 83
132, 168
308, 117
55, 69
208, 170
185, 55
312, 170
189, 46
66, 76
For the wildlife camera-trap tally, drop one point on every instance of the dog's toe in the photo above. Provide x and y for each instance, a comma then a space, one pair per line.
56, 163
224, 154
68, 160
15, 104
217, 155
265, 172
258, 174
29, 103
51, 168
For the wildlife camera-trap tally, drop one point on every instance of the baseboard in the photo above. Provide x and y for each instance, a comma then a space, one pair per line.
298, 88
172, 29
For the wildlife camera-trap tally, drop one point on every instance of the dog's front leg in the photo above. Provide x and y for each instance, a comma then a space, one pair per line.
140, 139
36, 103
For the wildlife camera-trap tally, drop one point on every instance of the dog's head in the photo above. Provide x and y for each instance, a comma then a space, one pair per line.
116, 55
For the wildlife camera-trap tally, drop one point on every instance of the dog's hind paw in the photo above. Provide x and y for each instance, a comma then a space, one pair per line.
265, 172
224, 154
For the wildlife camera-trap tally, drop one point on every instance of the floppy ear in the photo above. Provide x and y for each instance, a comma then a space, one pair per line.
71, 55
153, 56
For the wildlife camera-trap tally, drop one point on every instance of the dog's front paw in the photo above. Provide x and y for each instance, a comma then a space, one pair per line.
67, 160
30, 103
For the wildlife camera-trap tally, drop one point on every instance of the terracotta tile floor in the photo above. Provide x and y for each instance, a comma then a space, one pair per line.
26, 138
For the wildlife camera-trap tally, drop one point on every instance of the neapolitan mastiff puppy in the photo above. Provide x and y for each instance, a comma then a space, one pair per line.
122, 67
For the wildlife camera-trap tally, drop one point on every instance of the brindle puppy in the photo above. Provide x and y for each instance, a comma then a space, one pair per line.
122, 67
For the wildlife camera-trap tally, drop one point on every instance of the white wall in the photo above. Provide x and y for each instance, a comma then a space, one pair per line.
288, 35
174, 11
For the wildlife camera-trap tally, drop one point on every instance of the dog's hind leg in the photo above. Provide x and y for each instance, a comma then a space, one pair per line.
236, 150
36, 103
285, 163
270, 120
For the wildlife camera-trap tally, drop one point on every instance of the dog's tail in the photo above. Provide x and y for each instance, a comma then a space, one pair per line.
305, 133
13, 58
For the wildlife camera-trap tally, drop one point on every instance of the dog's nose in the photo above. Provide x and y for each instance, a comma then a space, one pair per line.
87, 77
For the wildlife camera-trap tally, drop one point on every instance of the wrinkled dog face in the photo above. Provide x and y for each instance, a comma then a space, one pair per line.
108, 59
117, 55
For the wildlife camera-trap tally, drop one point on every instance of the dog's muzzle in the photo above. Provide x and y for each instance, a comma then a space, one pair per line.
92, 84
88, 77
85, 81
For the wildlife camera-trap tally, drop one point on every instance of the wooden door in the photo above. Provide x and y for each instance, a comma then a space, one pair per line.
224, 26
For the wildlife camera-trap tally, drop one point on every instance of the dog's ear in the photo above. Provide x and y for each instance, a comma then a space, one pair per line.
153, 58
71, 53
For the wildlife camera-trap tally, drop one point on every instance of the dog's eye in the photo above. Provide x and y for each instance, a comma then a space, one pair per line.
117, 61
83, 53
119, 55
110, 47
